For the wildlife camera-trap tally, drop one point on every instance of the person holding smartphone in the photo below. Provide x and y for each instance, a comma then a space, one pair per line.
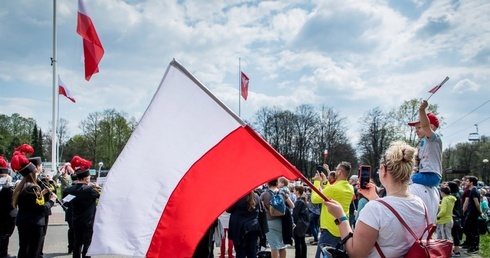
342, 193
376, 223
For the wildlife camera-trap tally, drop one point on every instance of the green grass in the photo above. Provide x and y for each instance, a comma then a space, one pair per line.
485, 245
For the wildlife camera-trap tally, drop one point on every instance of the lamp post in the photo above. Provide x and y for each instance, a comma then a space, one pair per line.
100, 167
485, 161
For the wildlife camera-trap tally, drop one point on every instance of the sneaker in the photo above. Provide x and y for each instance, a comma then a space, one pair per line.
454, 254
473, 250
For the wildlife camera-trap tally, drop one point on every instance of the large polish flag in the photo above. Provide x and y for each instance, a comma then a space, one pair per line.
188, 160
92, 47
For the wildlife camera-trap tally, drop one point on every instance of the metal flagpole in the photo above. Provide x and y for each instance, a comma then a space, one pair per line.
239, 86
54, 141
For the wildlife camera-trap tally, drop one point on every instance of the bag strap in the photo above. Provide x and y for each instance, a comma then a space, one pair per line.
403, 223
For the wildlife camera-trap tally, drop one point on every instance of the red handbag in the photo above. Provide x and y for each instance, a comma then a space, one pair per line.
422, 247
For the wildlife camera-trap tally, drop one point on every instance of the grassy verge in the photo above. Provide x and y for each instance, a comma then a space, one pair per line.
485, 245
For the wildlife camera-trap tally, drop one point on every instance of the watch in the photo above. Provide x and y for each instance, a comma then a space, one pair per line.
339, 220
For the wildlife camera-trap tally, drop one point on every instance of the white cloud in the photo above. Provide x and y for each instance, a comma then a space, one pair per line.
465, 85
346, 53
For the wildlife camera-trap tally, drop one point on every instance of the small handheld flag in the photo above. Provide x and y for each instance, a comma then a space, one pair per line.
437, 87
325, 153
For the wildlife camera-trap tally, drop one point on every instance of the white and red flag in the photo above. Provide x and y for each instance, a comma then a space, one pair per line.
63, 90
325, 153
438, 86
92, 47
178, 172
244, 85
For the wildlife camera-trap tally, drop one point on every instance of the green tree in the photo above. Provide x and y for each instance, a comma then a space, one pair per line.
115, 131
14, 131
35, 142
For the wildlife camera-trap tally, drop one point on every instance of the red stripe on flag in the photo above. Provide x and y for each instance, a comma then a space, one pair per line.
438, 86
185, 220
92, 47
63, 90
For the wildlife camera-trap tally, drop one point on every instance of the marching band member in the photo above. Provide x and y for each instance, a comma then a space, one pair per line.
7, 211
83, 205
32, 206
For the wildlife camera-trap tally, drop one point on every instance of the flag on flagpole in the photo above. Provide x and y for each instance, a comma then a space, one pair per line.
438, 86
325, 153
63, 90
244, 85
179, 151
92, 47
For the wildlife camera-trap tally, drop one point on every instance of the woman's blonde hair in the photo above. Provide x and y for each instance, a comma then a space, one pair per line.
399, 161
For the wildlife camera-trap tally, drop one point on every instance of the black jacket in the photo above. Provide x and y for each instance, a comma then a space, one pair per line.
83, 205
242, 221
31, 212
5, 201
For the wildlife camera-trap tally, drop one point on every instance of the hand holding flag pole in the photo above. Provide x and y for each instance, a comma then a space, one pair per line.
437, 87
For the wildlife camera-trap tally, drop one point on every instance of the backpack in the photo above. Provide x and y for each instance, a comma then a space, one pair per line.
277, 205
422, 248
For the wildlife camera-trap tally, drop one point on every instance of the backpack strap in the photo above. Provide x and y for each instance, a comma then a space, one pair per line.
403, 223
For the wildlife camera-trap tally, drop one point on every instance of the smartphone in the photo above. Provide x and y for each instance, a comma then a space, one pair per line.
364, 176
319, 169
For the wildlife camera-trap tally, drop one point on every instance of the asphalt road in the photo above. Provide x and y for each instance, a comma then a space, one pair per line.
56, 240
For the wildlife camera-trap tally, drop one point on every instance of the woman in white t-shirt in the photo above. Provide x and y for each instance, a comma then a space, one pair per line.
376, 223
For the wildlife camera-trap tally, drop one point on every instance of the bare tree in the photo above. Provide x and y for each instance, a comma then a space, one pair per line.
378, 131
91, 128
306, 129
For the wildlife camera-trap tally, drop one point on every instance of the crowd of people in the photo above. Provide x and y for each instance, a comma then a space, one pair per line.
332, 208
357, 220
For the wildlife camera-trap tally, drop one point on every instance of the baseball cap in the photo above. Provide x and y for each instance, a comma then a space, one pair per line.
433, 120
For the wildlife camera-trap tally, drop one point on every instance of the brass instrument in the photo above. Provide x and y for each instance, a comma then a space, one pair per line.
45, 186
96, 187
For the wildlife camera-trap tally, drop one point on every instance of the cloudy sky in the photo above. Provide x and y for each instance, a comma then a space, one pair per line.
348, 54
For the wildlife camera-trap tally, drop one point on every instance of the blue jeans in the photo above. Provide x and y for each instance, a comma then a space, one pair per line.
314, 225
326, 238
426, 178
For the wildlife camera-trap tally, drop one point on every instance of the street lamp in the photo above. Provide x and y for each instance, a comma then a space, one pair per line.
485, 161
102, 164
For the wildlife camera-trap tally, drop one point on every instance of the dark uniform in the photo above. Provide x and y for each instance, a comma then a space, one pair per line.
7, 218
68, 216
44, 182
31, 220
83, 215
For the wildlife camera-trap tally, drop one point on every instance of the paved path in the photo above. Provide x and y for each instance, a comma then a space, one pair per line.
56, 243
